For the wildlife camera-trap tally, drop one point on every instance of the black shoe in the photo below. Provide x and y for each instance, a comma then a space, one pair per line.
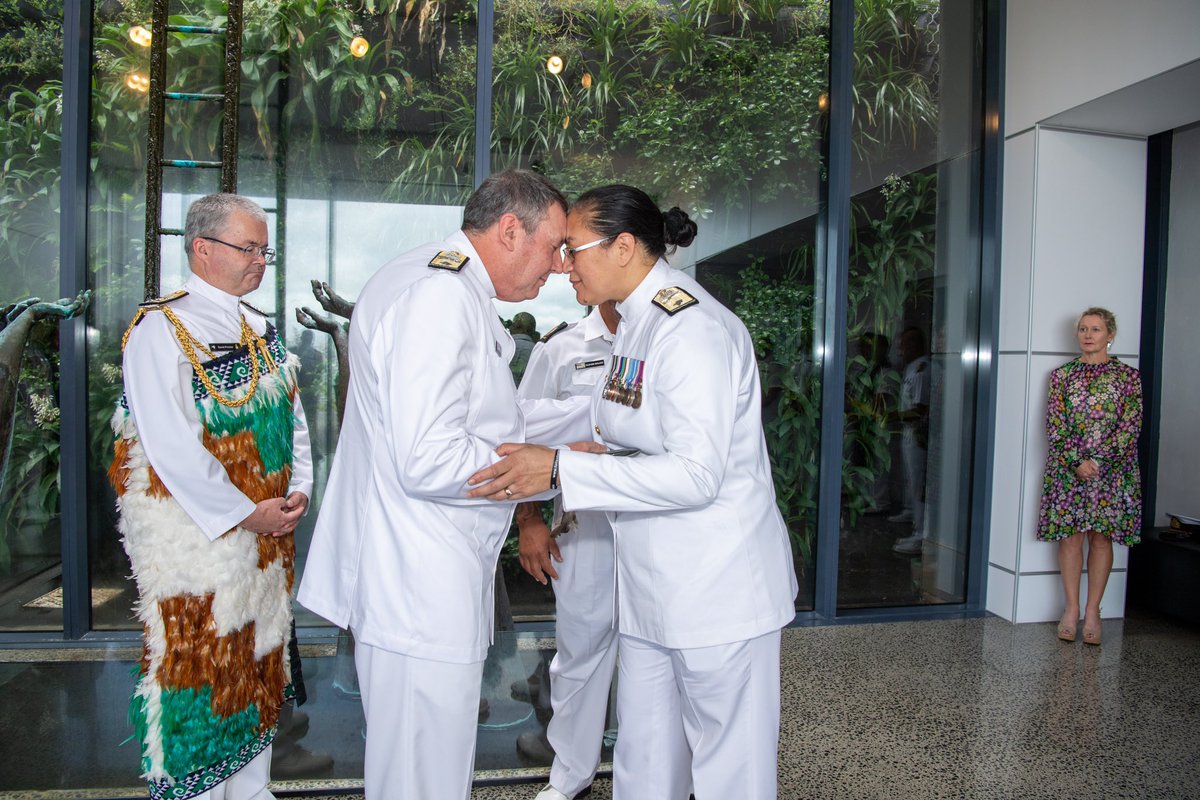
525, 689
529, 688
296, 762
535, 748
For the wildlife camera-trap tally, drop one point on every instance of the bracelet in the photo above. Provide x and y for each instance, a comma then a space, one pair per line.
554, 472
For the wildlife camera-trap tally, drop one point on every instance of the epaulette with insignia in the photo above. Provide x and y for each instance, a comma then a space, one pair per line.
162, 301
449, 259
252, 308
673, 300
557, 329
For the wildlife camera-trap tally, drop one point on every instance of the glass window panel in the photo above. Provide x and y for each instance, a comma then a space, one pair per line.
356, 155
30, 128
716, 109
913, 305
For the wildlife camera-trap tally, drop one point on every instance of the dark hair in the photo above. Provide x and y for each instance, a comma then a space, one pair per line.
918, 336
616, 209
512, 191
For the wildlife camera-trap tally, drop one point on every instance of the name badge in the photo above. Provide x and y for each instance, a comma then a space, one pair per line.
223, 347
599, 362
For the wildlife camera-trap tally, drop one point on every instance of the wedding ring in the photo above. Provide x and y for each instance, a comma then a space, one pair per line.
508, 492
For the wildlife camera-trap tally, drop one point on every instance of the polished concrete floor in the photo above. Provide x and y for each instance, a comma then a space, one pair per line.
973, 708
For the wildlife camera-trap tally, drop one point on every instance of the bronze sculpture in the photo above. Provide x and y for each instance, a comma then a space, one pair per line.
16, 322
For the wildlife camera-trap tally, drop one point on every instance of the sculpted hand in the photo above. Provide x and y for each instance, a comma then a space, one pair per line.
274, 517
538, 549
317, 322
523, 471
330, 300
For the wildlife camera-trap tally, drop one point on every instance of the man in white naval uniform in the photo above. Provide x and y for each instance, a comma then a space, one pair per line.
568, 362
226, 239
400, 555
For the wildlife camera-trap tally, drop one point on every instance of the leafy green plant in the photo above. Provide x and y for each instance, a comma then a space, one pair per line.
891, 262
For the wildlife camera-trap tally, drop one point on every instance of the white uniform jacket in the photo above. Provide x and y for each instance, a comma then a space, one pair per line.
703, 556
400, 555
570, 364
158, 389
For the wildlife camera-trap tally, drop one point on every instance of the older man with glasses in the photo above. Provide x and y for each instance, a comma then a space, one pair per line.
212, 471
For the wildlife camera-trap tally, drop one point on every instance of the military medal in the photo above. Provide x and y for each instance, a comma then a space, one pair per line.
624, 383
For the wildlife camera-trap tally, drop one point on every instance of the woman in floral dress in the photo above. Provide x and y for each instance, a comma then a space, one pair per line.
1092, 488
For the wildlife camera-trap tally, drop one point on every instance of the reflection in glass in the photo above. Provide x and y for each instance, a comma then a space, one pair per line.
357, 155
913, 304
30, 129
718, 113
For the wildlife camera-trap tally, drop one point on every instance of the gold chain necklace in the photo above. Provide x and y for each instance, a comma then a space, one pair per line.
255, 346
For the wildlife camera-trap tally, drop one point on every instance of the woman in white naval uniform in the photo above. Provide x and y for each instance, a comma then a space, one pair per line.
704, 565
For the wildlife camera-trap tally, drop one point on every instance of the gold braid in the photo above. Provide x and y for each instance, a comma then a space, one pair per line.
255, 346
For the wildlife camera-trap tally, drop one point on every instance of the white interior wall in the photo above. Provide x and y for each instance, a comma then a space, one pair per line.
1074, 224
1072, 236
1179, 443
1062, 53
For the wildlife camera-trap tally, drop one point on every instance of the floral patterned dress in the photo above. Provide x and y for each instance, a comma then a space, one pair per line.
1094, 411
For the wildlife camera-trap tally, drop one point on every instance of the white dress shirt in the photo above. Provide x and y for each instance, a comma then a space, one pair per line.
703, 555
400, 554
570, 364
158, 391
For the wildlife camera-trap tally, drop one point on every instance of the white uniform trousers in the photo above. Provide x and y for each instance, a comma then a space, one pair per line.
722, 702
421, 720
914, 477
248, 783
582, 669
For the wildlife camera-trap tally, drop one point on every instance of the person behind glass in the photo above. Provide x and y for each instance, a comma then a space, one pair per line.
704, 565
568, 362
399, 555
1092, 486
521, 330
212, 468
914, 419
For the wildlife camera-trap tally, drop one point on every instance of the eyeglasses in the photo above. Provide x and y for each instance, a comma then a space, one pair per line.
254, 251
564, 251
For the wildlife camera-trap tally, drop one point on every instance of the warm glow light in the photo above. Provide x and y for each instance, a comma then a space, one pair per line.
359, 47
586, 80
138, 82
566, 123
554, 65
140, 36
823, 102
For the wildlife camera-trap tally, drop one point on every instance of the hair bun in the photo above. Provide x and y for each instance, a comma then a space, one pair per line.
678, 228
